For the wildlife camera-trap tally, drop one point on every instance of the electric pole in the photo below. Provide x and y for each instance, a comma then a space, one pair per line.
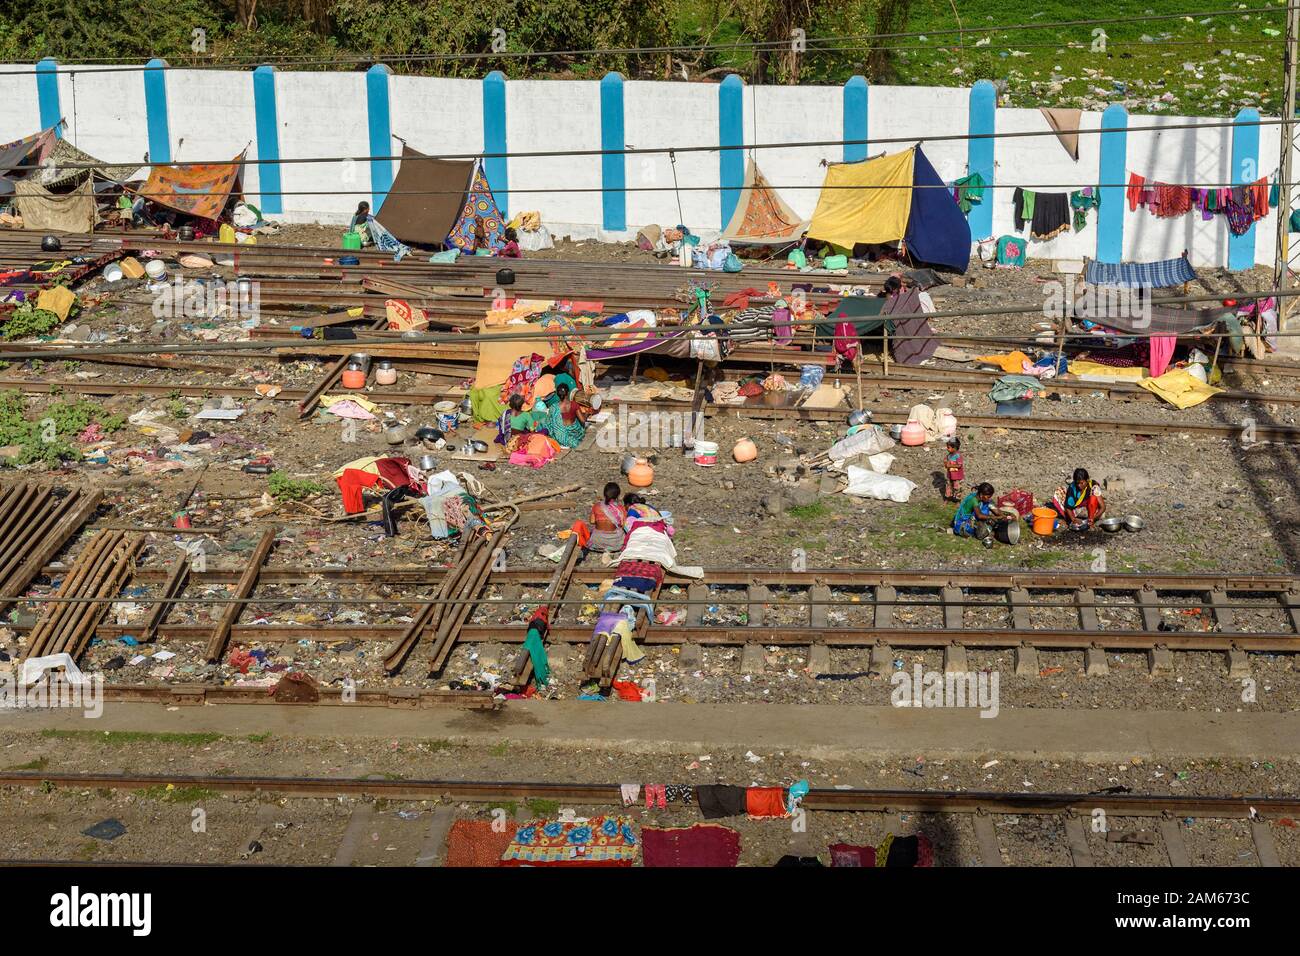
1286, 261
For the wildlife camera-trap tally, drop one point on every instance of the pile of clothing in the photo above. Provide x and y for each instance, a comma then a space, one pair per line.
450, 509
1241, 205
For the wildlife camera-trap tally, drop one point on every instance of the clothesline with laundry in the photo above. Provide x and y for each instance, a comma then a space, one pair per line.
1242, 205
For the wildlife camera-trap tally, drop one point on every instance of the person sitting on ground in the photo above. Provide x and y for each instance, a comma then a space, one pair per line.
607, 517
520, 420
361, 217
511, 249
558, 415
976, 514
954, 467
1079, 503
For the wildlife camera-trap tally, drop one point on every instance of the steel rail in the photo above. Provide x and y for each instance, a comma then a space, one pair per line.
604, 794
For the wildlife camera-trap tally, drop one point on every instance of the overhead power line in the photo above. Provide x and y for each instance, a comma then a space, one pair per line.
659, 150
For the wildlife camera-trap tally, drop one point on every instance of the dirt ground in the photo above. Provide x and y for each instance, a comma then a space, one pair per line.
160, 823
1211, 505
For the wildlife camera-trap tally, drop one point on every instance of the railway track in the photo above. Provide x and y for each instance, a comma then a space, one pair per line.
1263, 432
1075, 815
955, 612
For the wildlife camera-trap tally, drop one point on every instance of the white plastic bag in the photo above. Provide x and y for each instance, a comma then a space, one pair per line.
864, 483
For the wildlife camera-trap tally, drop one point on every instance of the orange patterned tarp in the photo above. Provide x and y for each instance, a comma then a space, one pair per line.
762, 216
199, 189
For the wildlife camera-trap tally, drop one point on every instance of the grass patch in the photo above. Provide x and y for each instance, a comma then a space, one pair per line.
499, 750
259, 738
542, 808
174, 794
812, 512
437, 746
40, 763
120, 738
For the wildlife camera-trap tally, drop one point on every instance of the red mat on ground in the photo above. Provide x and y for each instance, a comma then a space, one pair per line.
705, 844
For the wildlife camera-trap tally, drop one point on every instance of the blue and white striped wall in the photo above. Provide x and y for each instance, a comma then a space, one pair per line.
180, 115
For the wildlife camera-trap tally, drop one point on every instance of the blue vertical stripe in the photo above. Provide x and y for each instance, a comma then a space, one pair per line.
494, 139
731, 132
982, 121
381, 134
268, 140
855, 119
47, 93
1245, 169
155, 108
613, 166
1113, 172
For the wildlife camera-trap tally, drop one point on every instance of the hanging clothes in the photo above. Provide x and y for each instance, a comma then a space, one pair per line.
1162, 350
1136, 187
1023, 202
1081, 201
1011, 251
1051, 216
969, 191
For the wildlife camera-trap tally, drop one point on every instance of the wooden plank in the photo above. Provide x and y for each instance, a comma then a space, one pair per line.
1264, 847
1076, 838
358, 824
990, 852
1171, 831
176, 578
434, 850
247, 581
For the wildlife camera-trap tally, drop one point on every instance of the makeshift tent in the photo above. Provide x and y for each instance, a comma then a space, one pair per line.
478, 205
45, 211
19, 158
762, 218
426, 199
55, 172
197, 189
894, 198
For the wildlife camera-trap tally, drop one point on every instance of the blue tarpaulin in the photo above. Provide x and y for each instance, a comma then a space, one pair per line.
937, 232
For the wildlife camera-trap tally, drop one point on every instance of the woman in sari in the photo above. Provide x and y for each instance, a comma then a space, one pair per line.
560, 417
607, 517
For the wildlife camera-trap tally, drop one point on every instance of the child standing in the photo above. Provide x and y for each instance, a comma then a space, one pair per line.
954, 467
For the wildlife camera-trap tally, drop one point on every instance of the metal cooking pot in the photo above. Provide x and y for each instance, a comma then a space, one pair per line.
51, 244
505, 277
187, 233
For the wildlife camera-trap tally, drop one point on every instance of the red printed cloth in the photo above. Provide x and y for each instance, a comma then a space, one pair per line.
640, 569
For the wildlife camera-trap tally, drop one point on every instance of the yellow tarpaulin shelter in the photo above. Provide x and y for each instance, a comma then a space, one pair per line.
875, 211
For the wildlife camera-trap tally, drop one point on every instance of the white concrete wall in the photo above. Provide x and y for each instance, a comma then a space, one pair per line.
546, 116
323, 114
21, 115
195, 98
1178, 156
795, 114
671, 114
105, 112
212, 117
1041, 162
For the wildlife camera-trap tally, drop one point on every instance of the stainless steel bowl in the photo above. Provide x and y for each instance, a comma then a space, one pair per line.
428, 463
1111, 525
1133, 523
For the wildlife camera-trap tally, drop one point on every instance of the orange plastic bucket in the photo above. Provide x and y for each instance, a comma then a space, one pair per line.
1044, 521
